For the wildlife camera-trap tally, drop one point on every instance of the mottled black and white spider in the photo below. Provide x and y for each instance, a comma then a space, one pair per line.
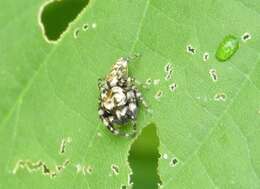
119, 99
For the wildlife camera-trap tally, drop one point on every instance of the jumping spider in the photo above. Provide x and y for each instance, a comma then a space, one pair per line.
119, 99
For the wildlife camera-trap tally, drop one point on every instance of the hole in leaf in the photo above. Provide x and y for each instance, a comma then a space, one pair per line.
39, 165
143, 159
76, 33
46, 170
173, 162
87, 169
168, 68
168, 76
85, 27
148, 81
57, 15
220, 97
158, 94
246, 36
190, 49
173, 87
63, 145
213, 74
205, 56
115, 169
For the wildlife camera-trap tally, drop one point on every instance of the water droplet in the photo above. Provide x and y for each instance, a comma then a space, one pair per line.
69, 140
213, 74
156, 81
246, 36
227, 48
220, 97
78, 168
165, 156
94, 25
99, 134
205, 56
160, 186
190, 49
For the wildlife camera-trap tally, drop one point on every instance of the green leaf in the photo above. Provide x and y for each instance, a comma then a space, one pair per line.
143, 159
49, 93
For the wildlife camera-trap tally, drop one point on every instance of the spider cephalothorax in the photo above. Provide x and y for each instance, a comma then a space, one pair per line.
119, 99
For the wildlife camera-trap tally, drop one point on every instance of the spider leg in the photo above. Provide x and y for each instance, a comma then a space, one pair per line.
140, 98
133, 57
133, 81
118, 132
113, 130
100, 82
122, 133
139, 95
134, 127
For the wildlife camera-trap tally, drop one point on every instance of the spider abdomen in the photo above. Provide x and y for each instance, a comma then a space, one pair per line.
118, 103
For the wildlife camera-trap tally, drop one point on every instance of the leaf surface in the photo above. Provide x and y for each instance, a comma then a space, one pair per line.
49, 92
